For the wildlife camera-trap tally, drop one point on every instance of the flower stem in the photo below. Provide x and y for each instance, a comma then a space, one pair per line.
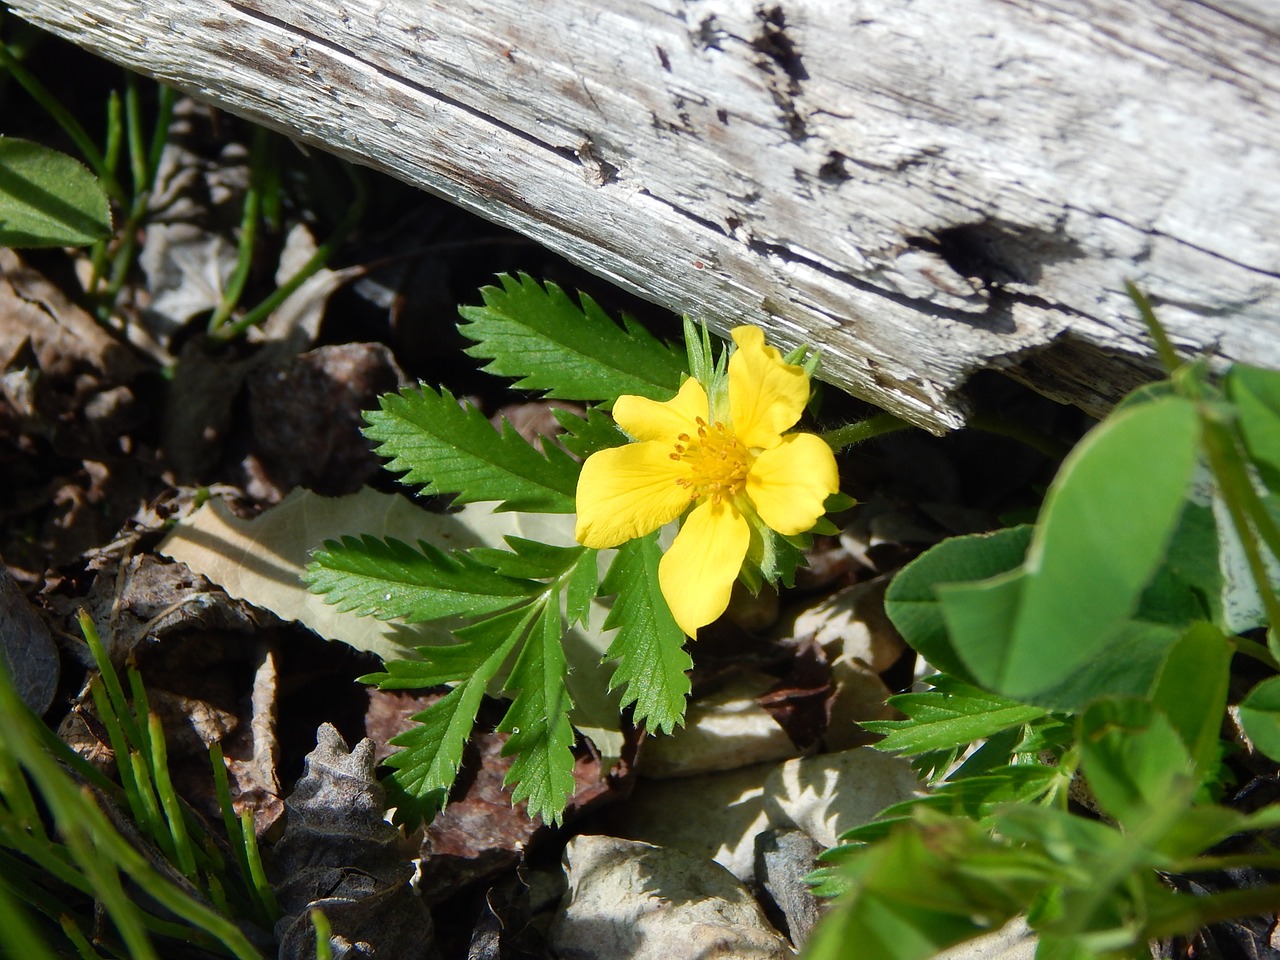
852, 433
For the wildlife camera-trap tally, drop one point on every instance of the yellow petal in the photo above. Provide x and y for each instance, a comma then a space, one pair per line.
697, 573
626, 492
766, 396
789, 483
647, 419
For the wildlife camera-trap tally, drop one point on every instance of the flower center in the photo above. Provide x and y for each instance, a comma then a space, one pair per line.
717, 459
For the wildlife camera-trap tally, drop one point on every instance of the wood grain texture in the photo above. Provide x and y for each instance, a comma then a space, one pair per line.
921, 188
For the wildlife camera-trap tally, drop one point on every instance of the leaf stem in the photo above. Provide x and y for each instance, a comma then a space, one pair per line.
1251, 648
1164, 346
874, 426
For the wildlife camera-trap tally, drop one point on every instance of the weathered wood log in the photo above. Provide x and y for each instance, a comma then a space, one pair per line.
922, 188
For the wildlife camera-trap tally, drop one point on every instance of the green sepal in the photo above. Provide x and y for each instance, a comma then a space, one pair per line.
697, 340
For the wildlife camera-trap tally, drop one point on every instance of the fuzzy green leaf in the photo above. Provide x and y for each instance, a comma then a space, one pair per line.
427, 763
387, 578
538, 334
538, 721
48, 199
649, 646
448, 448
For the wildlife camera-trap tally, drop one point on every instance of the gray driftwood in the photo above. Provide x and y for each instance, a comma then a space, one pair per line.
922, 188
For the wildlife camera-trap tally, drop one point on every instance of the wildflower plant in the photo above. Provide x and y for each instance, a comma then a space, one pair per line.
696, 440
1091, 658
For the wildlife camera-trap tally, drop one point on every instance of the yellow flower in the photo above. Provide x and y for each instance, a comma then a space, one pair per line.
727, 458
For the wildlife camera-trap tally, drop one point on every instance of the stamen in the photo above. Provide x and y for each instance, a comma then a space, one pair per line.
718, 462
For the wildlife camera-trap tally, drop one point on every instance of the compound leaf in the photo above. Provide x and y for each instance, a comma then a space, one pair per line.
954, 715
537, 334
649, 646
538, 721
387, 578
448, 448
424, 768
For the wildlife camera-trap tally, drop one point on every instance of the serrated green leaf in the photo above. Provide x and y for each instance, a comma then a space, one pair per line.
48, 199
541, 737
942, 719
387, 578
649, 646
440, 665
424, 768
448, 448
538, 335
581, 588
585, 436
924, 888
974, 797
528, 559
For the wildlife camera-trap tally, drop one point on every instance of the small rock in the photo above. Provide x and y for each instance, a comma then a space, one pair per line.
27, 647
641, 902
830, 793
712, 815
307, 411
1013, 941
852, 625
724, 731
783, 859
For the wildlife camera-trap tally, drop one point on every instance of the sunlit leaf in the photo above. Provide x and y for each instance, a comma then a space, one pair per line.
48, 199
538, 336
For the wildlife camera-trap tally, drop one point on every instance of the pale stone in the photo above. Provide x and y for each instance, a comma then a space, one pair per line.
833, 792
641, 902
1013, 941
723, 731
851, 624
712, 815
